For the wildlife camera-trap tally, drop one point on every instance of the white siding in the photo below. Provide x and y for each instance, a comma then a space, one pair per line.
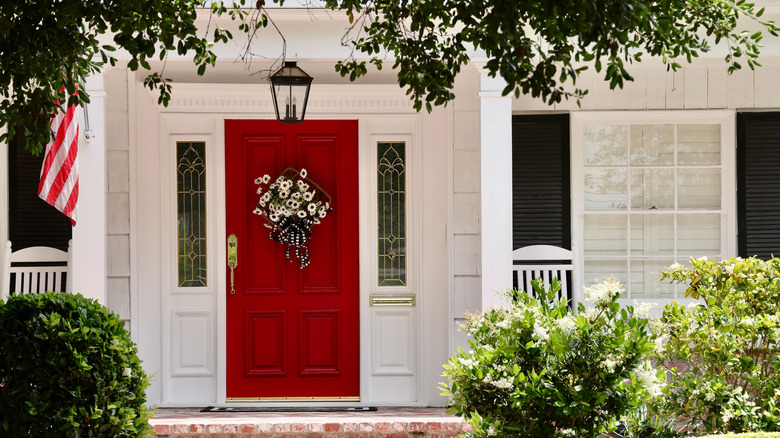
118, 195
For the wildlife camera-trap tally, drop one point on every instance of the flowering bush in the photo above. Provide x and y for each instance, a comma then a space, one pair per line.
292, 206
722, 352
536, 368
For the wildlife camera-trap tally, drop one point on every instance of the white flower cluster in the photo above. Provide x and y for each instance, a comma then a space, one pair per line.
289, 198
468, 363
642, 310
647, 377
601, 294
502, 383
611, 362
660, 344
540, 331
566, 323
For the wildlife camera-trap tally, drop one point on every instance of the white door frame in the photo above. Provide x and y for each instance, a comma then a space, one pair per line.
406, 372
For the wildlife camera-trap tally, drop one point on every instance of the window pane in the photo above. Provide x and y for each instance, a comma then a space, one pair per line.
698, 234
605, 189
652, 145
391, 200
605, 234
598, 270
698, 145
191, 213
652, 189
698, 189
652, 234
606, 145
646, 279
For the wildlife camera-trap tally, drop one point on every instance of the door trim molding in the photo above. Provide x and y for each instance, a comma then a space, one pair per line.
381, 111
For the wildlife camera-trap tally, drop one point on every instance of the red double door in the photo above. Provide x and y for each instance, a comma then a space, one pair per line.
293, 333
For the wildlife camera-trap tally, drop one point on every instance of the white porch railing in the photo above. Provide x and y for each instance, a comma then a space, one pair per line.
34, 270
543, 262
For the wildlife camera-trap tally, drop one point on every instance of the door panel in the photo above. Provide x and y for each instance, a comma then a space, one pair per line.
293, 332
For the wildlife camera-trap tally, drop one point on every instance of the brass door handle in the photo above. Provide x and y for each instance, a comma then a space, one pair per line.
232, 257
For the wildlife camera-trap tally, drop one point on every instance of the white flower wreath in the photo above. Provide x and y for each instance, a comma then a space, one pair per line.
292, 204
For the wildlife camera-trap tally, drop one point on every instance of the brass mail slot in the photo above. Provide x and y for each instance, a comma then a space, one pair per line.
392, 300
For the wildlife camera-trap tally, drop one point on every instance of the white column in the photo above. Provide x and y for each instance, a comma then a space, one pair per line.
88, 270
496, 189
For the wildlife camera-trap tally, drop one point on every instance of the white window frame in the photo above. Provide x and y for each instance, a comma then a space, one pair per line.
727, 121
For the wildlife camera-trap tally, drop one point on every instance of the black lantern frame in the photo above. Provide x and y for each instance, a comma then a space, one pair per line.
289, 86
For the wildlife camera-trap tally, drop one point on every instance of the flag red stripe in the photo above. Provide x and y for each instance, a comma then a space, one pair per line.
59, 184
63, 175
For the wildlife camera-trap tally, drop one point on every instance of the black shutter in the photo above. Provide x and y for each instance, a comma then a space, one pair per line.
540, 181
758, 184
31, 221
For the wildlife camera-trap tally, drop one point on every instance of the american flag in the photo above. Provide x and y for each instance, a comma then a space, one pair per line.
59, 184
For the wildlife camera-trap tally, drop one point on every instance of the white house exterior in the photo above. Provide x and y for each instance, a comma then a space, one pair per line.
659, 157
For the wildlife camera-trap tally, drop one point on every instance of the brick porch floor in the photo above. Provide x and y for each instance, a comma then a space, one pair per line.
383, 423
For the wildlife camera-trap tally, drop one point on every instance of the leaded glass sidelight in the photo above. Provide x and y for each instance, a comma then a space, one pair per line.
391, 199
191, 213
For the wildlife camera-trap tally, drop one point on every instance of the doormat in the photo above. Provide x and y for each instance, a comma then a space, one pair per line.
286, 409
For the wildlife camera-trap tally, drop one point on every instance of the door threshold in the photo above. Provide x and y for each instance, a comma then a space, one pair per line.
290, 409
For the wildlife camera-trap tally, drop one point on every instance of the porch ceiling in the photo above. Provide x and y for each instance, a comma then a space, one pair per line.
230, 71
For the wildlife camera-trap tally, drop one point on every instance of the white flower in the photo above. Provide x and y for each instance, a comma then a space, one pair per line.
608, 364
602, 293
491, 431
540, 332
301, 214
312, 209
266, 197
258, 180
504, 324
266, 178
257, 211
710, 396
274, 217
566, 323
285, 185
308, 196
727, 416
302, 186
566, 432
284, 194
702, 259
468, 363
647, 377
127, 372
304, 173
675, 267
660, 344
259, 190
642, 310
323, 212
502, 383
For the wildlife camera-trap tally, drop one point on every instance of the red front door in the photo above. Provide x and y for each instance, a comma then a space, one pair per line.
292, 332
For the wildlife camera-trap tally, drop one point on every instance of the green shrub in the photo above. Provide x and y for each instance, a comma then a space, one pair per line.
68, 369
722, 352
537, 369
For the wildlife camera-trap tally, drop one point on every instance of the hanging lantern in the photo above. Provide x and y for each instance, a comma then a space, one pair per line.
290, 89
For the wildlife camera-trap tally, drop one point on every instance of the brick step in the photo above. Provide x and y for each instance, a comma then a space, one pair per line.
383, 423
